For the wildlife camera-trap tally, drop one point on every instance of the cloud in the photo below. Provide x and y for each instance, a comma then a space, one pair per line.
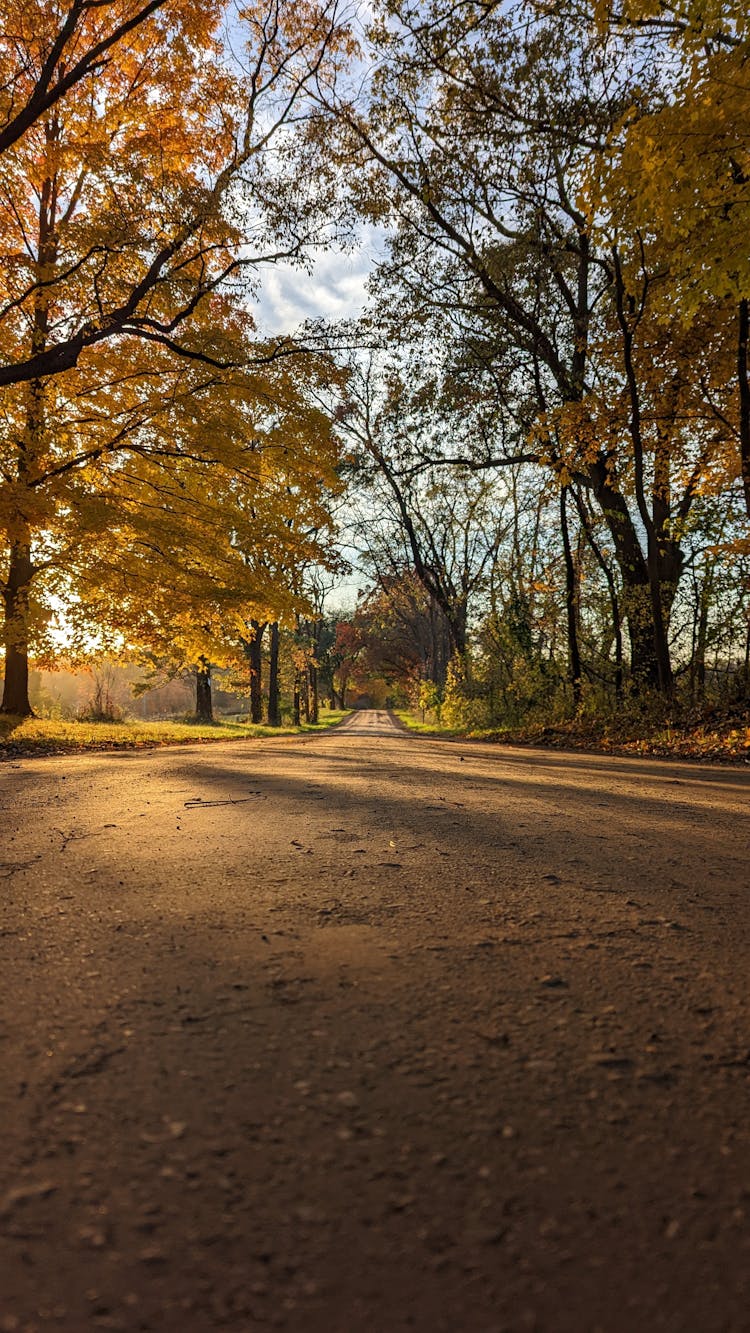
334, 289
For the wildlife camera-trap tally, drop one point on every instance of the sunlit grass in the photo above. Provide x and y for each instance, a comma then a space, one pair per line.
328, 717
726, 739
49, 736
427, 728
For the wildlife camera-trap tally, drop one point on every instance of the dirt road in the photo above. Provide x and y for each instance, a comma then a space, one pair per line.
364, 1033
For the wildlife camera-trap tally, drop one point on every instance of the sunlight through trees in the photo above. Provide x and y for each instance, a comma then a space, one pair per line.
532, 445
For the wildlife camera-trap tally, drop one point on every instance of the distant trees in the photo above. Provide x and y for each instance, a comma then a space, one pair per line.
414, 516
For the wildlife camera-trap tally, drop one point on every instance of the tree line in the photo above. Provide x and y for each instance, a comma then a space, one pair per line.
561, 313
541, 420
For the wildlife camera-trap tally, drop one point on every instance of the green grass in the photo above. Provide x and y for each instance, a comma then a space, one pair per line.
726, 739
47, 736
415, 723
329, 717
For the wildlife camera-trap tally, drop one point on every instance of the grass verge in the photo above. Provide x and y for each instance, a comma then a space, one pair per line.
720, 739
43, 736
413, 722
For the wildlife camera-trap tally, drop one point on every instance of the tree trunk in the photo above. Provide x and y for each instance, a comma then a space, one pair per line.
21, 570
571, 603
312, 676
296, 716
274, 712
617, 625
16, 631
700, 651
636, 596
614, 601
457, 630
255, 657
655, 536
204, 711
744, 387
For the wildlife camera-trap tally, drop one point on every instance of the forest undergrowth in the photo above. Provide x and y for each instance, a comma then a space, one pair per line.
700, 734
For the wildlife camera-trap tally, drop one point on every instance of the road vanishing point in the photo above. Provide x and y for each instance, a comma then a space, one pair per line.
365, 1032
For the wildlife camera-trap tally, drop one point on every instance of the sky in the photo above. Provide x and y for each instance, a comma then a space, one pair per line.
335, 289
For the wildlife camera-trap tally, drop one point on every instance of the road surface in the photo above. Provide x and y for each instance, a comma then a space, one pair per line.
363, 1032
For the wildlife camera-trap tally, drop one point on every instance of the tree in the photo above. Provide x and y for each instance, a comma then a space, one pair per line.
346, 652
173, 505
679, 169
442, 528
399, 635
476, 144
274, 708
253, 649
123, 202
45, 54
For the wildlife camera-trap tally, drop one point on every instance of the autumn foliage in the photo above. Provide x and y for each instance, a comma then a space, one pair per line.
543, 415
565, 293
151, 443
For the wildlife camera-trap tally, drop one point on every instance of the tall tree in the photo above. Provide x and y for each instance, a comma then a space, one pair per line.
122, 201
252, 647
45, 52
274, 707
476, 144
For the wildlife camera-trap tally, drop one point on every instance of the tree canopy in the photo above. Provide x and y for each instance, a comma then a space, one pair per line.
542, 417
